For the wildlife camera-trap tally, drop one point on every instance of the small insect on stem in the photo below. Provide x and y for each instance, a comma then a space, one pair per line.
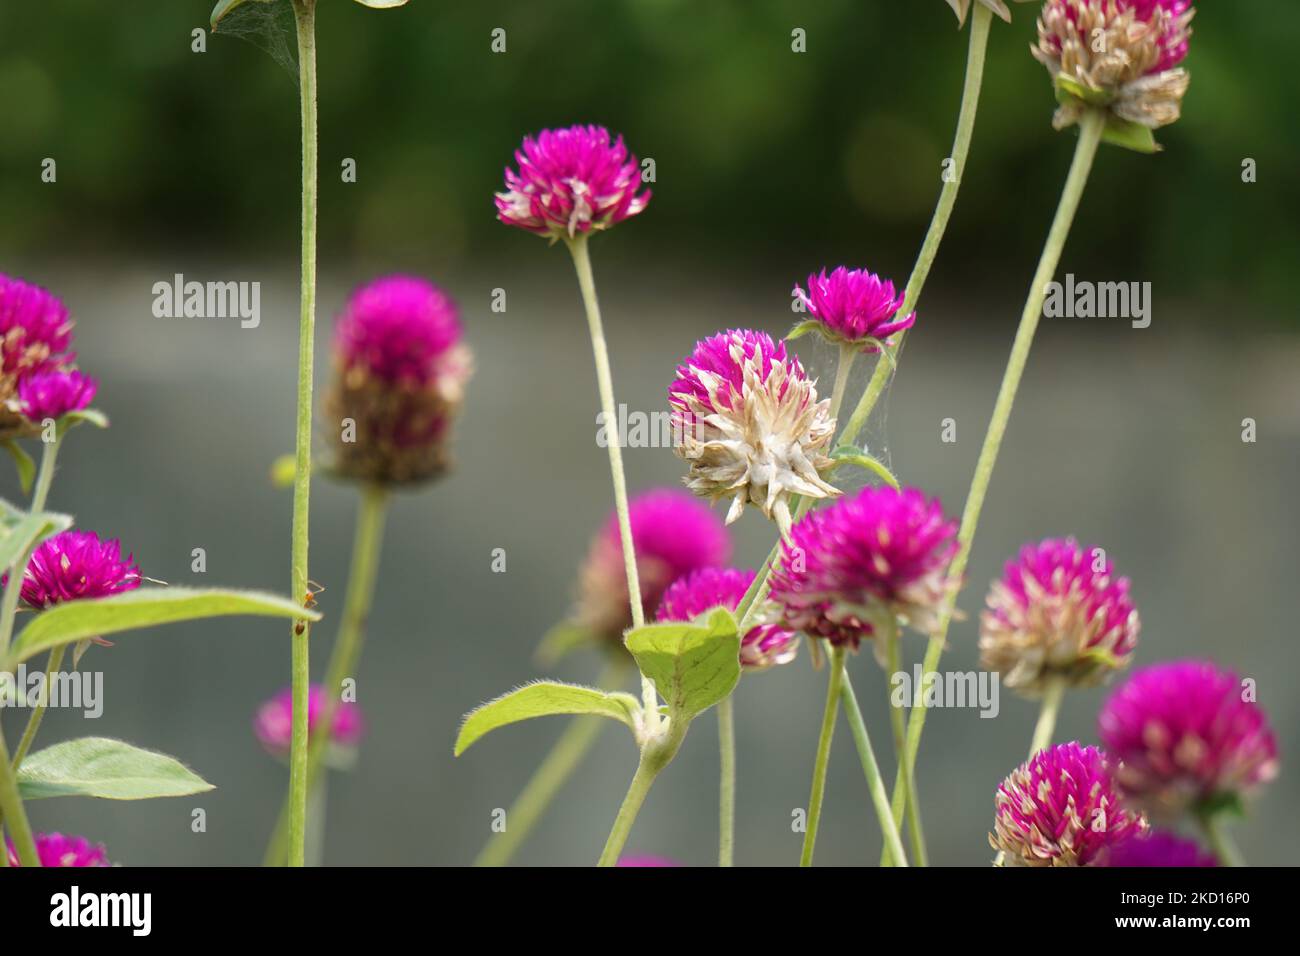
313, 589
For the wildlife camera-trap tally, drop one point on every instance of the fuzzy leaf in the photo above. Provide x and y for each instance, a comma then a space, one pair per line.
1129, 135
77, 620
28, 532
543, 699
850, 455
693, 665
109, 769
803, 328
26, 467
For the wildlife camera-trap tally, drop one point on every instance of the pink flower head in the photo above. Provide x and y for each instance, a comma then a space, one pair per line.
55, 849
401, 371
1159, 848
854, 306
750, 425
1188, 738
35, 335
1059, 610
1060, 808
77, 565
707, 588
43, 395
673, 535
570, 182
644, 860
872, 559
274, 722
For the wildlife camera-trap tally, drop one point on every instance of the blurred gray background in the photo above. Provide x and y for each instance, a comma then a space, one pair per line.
1127, 438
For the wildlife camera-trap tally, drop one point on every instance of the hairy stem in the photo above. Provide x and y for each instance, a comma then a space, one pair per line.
970, 96
834, 685
1090, 129
871, 769
655, 755
366, 545
305, 17
605, 384
727, 784
38, 712
550, 776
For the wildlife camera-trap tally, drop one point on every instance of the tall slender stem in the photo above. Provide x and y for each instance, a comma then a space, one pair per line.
38, 712
550, 776
834, 685
1091, 127
15, 814
727, 783
605, 384
367, 543
305, 17
970, 96
655, 755
871, 769
906, 773
1222, 845
1053, 694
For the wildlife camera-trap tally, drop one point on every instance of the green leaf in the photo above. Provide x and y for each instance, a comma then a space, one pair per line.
382, 4
26, 467
77, 620
1129, 135
228, 6
850, 455
693, 665
92, 416
803, 328
109, 769
543, 699
30, 531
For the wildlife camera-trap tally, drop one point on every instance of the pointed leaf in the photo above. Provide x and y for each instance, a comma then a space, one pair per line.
850, 455
105, 768
30, 531
77, 620
803, 328
92, 416
543, 699
693, 665
1129, 135
225, 7
26, 467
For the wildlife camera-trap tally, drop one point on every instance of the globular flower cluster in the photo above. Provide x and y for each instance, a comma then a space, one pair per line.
1058, 611
77, 565
1158, 848
854, 307
1189, 737
55, 849
274, 721
37, 378
570, 182
673, 535
863, 563
700, 591
400, 375
1061, 808
749, 423
1121, 55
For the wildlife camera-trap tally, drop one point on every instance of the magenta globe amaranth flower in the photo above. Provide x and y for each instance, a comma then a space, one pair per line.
1119, 55
700, 591
51, 395
57, 850
1060, 808
35, 335
865, 562
77, 565
1159, 848
571, 182
274, 721
748, 421
1190, 737
1058, 611
673, 535
400, 375
853, 307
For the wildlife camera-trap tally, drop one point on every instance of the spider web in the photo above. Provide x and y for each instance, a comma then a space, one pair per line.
269, 26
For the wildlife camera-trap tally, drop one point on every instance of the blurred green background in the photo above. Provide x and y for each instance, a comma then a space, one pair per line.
770, 164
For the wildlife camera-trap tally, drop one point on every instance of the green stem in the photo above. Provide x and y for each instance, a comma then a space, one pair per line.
38, 712
15, 814
898, 723
1053, 694
727, 784
1219, 840
871, 769
605, 384
549, 777
305, 17
367, 542
970, 96
1090, 129
834, 685
655, 755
